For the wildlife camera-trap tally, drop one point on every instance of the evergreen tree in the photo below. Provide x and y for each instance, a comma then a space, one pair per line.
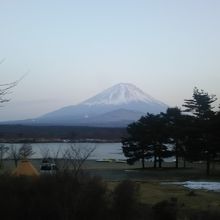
200, 104
137, 145
147, 138
200, 144
176, 130
156, 131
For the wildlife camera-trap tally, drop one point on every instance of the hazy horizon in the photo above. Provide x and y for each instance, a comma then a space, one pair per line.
73, 50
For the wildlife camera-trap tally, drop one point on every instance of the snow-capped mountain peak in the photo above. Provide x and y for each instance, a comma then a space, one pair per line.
122, 93
117, 106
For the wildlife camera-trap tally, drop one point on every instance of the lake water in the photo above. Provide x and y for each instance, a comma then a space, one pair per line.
102, 150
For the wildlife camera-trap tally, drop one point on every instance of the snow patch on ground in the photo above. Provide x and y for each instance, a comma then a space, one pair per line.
210, 186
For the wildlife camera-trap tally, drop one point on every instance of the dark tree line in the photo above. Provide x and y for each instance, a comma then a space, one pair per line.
192, 134
26, 133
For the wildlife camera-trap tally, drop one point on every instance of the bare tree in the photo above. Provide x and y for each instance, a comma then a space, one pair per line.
3, 151
26, 151
17, 153
45, 152
54, 156
74, 158
14, 154
6, 88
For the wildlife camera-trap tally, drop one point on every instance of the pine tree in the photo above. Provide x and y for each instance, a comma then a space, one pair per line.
137, 145
147, 138
177, 124
200, 104
200, 139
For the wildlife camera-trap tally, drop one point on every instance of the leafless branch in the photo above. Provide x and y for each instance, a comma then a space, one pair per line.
26, 151
14, 154
6, 88
74, 158
45, 152
3, 151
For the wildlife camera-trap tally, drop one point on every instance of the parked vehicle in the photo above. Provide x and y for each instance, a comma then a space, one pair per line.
48, 167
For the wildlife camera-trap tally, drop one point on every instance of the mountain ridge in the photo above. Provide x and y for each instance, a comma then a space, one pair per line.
118, 105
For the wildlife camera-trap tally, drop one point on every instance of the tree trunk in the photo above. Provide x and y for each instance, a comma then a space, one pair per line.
208, 165
16, 163
155, 161
142, 159
177, 156
177, 161
160, 162
143, 163
184, 162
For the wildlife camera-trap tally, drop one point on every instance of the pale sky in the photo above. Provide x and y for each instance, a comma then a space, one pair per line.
75, 49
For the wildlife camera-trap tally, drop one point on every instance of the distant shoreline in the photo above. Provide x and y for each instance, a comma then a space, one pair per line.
34, 141
60, 134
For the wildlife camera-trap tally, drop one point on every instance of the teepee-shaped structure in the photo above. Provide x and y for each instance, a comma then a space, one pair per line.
25, 168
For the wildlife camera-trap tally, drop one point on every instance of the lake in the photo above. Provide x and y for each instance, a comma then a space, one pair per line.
102, 150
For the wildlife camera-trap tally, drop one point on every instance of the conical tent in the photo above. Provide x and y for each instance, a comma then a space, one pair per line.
25, 168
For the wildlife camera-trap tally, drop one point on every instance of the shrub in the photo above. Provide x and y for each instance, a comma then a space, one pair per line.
166, 209
59, 197
125, 200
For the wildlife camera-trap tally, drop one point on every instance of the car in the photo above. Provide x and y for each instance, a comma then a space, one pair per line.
48, 168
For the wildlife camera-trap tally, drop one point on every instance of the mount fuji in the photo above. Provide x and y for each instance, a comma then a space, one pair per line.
116, 106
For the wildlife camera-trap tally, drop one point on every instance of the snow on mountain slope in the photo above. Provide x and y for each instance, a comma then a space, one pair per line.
122, 93
121, 96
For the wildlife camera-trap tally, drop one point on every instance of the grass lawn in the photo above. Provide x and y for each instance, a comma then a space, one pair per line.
149, 182
152, 192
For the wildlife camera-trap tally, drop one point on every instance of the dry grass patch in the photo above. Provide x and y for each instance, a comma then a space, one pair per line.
153, 192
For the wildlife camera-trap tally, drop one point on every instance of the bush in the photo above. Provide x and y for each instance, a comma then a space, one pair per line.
64, 197
166, 209
125, 200
60, 197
